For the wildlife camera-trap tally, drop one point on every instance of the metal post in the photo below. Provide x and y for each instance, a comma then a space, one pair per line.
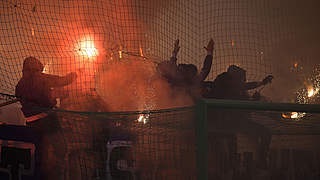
202, 140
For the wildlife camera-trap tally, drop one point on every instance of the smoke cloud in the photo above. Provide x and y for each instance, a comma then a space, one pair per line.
134, 84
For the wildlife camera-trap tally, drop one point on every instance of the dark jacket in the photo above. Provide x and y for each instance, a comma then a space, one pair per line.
35, 90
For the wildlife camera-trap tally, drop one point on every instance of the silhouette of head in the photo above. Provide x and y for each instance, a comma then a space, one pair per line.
237, 73
32, 64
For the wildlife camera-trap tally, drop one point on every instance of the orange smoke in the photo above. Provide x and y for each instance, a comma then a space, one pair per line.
134, 84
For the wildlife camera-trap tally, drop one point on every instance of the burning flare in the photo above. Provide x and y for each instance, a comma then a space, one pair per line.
87, 48
143, 118
293, 115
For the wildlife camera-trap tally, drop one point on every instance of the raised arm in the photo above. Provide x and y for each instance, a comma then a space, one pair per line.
253, 85
175, 52
206, 67
59, 81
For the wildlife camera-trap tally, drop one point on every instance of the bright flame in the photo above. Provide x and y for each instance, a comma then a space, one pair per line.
32, 31
46, 68
87, 48
312, 91
294, 115
120, 52
285, 116
141, 52
143, 118
295, 64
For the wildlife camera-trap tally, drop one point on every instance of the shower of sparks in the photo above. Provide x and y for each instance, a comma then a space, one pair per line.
307, 95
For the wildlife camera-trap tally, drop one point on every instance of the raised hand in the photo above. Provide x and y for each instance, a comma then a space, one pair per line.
176, 48
267, 80
210, 47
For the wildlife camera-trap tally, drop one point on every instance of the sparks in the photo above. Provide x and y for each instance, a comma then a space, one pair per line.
312, 91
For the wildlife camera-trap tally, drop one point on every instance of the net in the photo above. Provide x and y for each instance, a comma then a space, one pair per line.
257, 140
132, 145
115, 47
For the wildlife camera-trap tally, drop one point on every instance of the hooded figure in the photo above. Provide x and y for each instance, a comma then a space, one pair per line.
36, 89
36, 92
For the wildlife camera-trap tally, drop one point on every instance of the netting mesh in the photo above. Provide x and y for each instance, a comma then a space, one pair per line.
114, 46
55, 32
240, 140
141, 145
71, 35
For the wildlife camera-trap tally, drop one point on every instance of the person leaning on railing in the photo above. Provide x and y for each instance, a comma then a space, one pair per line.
35, 91
233, 85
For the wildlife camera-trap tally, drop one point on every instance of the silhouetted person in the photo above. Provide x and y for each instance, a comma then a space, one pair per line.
186, 75
234, 86
36, 91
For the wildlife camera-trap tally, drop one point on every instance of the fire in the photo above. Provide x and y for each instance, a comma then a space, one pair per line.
293, 115
143, 118
141, 51
32, 31
295, 65
120, 52
87, 48
312, 91
46, 68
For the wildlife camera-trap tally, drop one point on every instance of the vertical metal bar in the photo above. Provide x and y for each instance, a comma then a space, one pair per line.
202, 140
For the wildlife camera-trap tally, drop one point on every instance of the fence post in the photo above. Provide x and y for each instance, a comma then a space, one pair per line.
202, 140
